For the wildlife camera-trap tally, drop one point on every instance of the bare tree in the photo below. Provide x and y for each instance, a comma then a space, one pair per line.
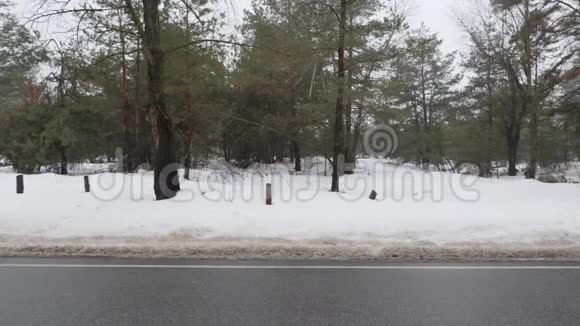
166, 183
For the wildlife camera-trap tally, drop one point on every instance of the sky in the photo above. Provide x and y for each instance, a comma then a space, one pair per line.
436, 14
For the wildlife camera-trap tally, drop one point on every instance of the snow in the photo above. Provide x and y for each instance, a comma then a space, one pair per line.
569, 172
224, 206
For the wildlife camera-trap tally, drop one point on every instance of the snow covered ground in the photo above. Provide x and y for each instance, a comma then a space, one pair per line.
222, 212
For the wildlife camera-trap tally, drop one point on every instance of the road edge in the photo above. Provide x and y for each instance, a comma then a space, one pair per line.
280, 249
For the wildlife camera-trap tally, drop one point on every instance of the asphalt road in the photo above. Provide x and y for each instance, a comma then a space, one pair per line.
177, 292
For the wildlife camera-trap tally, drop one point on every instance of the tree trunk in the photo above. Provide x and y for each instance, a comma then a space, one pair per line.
61, 104
295, 135
486, 166
513, 139
566, 146
130, 161
226, 146
188, 99
513, 126
63, 160
356, 132
532, 167
528, 93
297, 157
338, 157
486, 171
166, 183
141, 149
187, 164
426, 154
348, 151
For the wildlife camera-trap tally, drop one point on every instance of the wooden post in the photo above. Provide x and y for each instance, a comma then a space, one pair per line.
373, 195
268, 194
20, 184
87, 184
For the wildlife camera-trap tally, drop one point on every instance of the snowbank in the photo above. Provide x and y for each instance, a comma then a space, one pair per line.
222, 210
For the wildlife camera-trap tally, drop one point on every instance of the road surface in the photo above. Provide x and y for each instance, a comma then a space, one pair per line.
63, 292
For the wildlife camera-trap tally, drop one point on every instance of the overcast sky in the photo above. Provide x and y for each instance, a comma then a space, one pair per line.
436, 14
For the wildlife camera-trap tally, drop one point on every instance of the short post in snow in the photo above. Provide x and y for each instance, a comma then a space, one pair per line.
373, 195
20, 184
87, 184
268, 194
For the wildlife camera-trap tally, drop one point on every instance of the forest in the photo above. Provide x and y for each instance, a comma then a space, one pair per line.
169, 84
